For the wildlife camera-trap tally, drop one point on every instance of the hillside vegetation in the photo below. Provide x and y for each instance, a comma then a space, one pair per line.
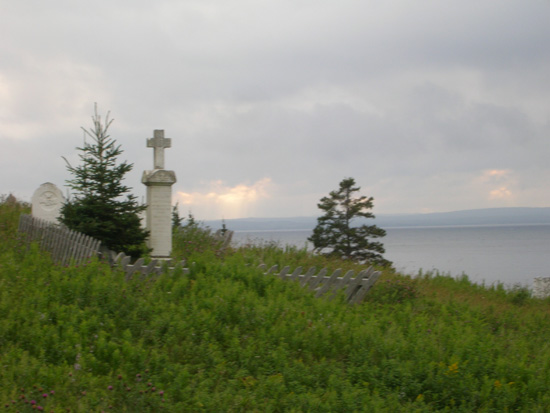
227, 338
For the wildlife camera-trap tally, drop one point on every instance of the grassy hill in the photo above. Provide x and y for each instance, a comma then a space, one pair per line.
226, 338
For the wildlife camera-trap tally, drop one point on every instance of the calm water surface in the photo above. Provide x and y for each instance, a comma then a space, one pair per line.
507, 254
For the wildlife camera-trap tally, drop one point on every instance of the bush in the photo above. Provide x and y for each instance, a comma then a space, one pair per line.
398, 289
193, 239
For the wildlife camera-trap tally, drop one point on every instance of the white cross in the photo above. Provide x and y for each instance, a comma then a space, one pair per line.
158, 143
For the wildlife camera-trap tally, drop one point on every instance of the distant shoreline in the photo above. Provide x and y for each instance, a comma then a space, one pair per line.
407, 227
476, 217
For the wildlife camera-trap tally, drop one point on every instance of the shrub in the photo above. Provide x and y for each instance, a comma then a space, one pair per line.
193, 238
397, 289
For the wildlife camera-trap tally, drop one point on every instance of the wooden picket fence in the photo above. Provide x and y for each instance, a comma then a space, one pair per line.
355, 287
64, 245
139, 267
70, 247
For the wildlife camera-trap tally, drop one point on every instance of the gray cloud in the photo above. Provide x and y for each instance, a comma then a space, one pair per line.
417, 101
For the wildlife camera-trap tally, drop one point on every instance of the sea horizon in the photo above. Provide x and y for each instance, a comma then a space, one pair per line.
510, 254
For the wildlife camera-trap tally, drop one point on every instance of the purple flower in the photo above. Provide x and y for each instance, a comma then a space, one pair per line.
45, 395
110, 387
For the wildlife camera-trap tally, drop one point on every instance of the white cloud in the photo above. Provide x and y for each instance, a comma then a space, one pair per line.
218, 200
500, 193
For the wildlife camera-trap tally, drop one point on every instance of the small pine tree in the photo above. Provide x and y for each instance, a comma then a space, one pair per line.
176, 219
98, 207
335, 235
191, 221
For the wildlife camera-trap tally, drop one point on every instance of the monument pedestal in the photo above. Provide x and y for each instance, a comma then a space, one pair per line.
159, 211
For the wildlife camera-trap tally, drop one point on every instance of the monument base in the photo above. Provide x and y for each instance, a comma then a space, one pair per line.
159, 211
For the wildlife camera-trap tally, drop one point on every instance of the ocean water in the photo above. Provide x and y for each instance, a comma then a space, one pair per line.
510, 254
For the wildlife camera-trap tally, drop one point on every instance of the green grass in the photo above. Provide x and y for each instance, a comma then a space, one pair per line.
227, 338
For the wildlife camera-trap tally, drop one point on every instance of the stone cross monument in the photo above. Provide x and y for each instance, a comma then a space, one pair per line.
158, 142
159, 198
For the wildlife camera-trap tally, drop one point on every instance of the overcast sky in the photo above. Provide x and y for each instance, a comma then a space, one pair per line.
430, 105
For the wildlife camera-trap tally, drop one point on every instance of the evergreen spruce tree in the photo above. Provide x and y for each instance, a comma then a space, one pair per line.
101, 205
224, 227
176, 219
335, 235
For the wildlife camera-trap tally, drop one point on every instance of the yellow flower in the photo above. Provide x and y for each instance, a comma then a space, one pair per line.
498, 384
453, 368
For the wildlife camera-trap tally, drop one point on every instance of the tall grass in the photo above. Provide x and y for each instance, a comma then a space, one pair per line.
226, 338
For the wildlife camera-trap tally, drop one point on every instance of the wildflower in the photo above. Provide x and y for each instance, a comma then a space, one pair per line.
110, 387
45, 395
453, 368
498, 384
161, 393
33, 402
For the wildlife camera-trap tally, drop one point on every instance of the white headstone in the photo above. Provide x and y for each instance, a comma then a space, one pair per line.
541, 287
46, 202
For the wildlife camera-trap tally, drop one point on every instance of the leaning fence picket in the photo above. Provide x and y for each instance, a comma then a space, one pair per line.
305, 279
295, 274
357, 298
353, 285
315, 280
327, 284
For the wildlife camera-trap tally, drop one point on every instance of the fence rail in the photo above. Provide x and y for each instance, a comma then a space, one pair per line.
64, 245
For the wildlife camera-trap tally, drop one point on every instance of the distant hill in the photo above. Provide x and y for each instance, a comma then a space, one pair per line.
489, 216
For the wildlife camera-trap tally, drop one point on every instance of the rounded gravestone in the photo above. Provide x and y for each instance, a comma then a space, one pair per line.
47, 201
